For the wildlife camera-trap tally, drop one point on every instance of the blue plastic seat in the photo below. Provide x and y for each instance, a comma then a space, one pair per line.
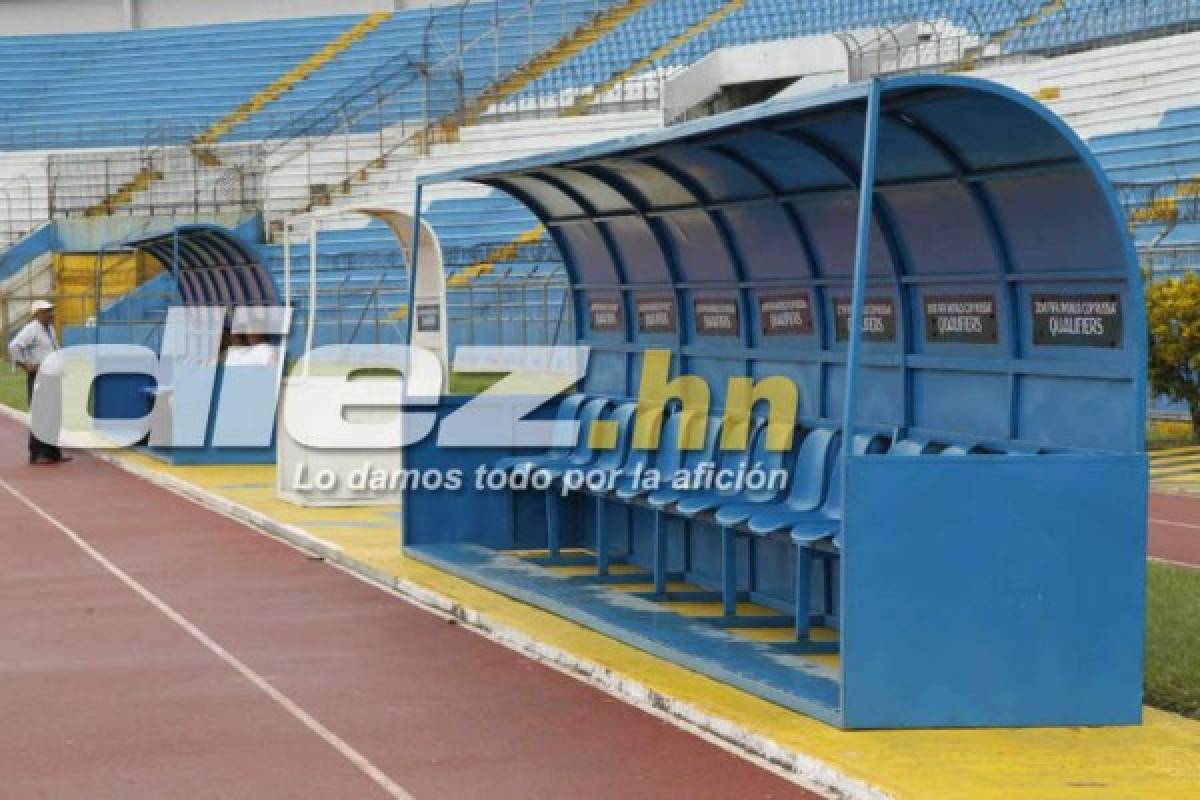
691, 459
612, 462
755, 456
577, 457
804, 510
666, 460
671, 459
569, 410
829, 515
808, 481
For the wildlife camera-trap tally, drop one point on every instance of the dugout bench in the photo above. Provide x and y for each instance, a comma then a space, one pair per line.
940, 268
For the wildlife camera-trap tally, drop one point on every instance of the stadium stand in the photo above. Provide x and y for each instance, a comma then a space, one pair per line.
1138, 107
286, 115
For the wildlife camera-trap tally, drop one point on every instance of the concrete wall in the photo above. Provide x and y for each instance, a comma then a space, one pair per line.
18, 17
817, 60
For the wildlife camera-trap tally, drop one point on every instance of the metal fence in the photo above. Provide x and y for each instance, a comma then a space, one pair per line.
156, 180
1163, 262
530, 309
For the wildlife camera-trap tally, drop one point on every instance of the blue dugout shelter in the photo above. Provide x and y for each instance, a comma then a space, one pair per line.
941, 269
212, 268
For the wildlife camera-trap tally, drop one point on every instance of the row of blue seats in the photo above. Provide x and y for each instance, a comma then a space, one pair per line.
807, 514
191, 76
1151, 163
766, 20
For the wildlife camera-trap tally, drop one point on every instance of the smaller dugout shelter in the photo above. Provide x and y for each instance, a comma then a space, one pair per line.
941, 268
221, 282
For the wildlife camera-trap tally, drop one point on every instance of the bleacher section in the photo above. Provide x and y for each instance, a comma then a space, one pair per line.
1007, 26
1138, 107
353, 108
114, 89
189, 81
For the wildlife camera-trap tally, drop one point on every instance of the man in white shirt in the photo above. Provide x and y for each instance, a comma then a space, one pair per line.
29, 348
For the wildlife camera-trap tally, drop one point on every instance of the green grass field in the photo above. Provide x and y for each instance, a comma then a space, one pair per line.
12, 386
1173, 639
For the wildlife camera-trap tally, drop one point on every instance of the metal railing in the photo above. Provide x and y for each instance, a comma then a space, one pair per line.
24, 199
510, 308
168, 179
1170, 261
1062, 33
422, 96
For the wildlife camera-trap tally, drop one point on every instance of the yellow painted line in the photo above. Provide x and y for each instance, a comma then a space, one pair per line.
831, 661
784, 634
1187, 448
1174, 465
1156, 760
1175, 458
714, 609
585, 99
446, 129
566, 551
288, 80
672, 586
1167, 455
505, 252
588, 569
1175, 471
1174, 451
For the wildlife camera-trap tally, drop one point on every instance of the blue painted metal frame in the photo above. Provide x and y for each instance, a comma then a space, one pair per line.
974, 590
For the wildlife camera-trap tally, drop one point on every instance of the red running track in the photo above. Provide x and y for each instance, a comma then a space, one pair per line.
1175, 528
245, 670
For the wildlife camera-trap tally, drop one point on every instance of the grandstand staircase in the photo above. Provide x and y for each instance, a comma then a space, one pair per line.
126, 192
201, 147
287, 81
446, 129
1044, 12
1165, 210
498, 255
585, 99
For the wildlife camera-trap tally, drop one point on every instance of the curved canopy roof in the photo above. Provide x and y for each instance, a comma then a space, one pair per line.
1001, 282
211, 265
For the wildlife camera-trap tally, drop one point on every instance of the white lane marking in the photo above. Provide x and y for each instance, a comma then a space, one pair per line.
330, 738
1183, 564
1158, 521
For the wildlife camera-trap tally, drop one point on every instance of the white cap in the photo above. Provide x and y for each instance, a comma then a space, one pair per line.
40, 305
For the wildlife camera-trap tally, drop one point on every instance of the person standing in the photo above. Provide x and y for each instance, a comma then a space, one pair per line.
29, 348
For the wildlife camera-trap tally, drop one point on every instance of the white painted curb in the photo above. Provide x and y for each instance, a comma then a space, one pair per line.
802, 769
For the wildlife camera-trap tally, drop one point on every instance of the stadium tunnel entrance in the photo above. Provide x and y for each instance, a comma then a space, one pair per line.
941, 270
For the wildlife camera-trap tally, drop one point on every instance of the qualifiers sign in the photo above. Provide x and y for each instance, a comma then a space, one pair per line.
788, 314
429, 318
605, 314
656, 314
1077, 320
879, 319
716, 316
960, 319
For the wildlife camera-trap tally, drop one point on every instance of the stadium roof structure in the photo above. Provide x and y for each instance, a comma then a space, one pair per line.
979, 191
